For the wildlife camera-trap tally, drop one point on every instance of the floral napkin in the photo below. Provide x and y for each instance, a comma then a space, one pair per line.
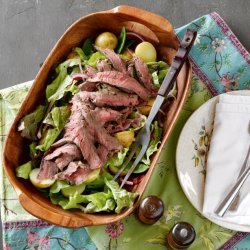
220, 64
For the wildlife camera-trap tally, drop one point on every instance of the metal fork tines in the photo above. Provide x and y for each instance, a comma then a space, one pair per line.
142, 139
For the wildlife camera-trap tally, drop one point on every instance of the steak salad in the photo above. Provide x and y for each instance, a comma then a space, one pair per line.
95, 105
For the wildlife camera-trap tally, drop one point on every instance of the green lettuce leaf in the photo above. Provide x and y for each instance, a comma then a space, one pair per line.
157, 66
156, 79
118, 159
94, 58
48, 139
30, 123
73, 202
56, 198
59, 117
57, 186
88, 47
24, 170
56, 89
33, 150
92, 208
80, 53
139, 115
97, 199
122, 197
153, 145
158, 71
161, 75
98, 184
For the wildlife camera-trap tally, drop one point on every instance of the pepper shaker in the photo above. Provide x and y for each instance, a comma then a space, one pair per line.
150, 210
181, 236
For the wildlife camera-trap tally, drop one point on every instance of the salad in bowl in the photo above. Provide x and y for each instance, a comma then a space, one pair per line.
77, 124
96, 103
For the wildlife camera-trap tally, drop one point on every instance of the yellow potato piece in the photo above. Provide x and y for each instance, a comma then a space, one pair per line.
40, 183
106, 40
125, 137
146, 51
145, 110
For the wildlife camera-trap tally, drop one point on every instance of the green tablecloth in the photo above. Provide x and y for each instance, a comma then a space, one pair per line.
220, 63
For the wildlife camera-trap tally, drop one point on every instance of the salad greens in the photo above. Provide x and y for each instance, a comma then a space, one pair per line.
24, 170
57, 118
29, 124
99, 193
121, 41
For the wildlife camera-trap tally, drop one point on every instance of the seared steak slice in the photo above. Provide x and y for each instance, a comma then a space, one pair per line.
75, 173
103, 65
102, 99
77, 131
64, 155
82, 138
122, 81
70, 149
123, 125
104, 115
144, 75
103, 152
88, 86
100, 132
89, 70
114, 58
48, 169
131, 69
64, 159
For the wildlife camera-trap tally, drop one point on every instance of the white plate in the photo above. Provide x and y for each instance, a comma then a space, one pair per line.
191, 177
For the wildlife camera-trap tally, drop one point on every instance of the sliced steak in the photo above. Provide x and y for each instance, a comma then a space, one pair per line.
103, 152
104, 115
70, 149
131, 69
117, 62
122, 81
63, 160
76, 173
102, 99
100, 132
103, 65
48, 169
81, 137
123, 125
144, 75
88, 86
77, 131
89, 70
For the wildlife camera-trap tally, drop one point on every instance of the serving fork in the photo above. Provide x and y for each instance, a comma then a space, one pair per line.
143, 138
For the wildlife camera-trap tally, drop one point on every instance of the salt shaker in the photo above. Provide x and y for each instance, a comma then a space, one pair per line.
181, 236
150, 210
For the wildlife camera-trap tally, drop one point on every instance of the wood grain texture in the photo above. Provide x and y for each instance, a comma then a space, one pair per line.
165, 41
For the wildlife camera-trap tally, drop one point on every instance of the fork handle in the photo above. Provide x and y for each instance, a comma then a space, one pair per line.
232, 194
178, 61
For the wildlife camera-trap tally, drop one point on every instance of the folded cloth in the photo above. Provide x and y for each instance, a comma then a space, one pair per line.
228, 149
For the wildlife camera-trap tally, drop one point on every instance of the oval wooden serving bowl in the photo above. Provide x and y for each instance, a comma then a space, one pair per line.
153, 28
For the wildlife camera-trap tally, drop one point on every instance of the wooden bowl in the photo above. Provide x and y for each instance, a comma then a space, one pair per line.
153, 28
